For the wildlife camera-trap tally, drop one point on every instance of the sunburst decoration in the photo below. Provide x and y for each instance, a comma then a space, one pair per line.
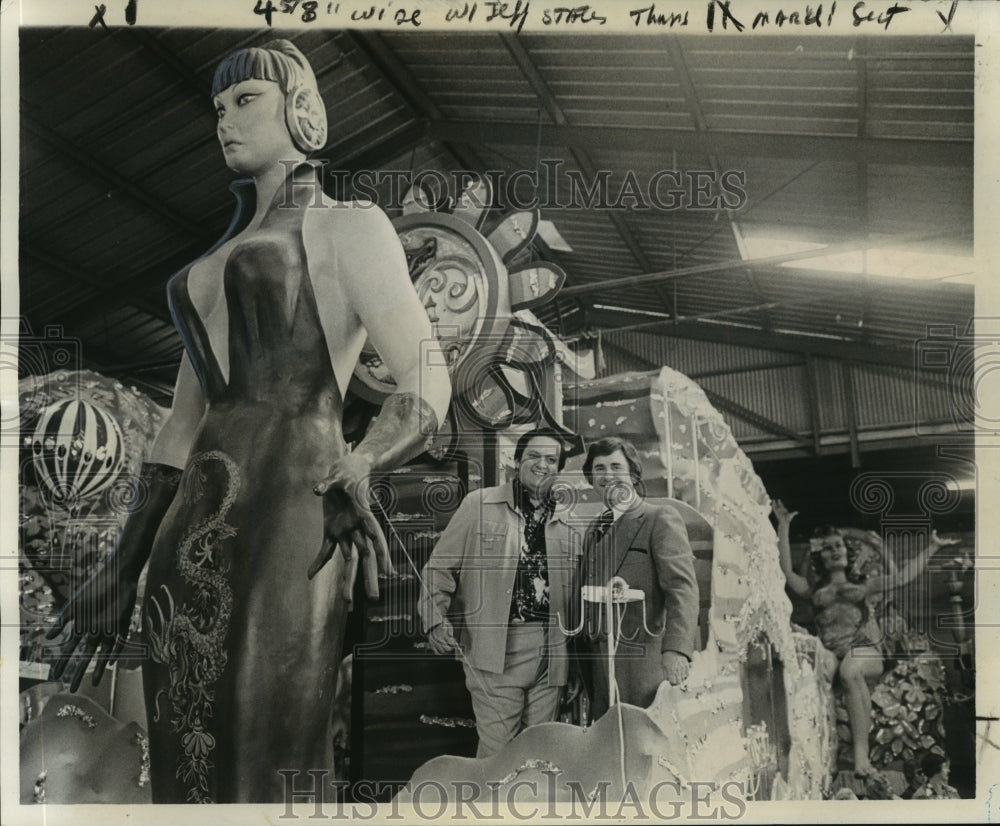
479, 308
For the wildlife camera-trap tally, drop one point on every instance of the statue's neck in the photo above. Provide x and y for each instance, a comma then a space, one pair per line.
275, 184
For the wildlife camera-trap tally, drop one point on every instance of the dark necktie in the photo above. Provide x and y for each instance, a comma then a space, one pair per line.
596, 562
605, 521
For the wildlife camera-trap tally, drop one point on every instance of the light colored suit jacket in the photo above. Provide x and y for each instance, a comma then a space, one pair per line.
648, 547
470, 575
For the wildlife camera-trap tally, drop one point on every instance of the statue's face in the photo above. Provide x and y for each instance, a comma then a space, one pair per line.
251, 126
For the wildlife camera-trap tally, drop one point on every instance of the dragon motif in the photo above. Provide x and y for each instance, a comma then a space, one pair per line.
190, 639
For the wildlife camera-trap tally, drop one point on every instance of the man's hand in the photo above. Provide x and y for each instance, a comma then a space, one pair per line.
675, 667
442, 639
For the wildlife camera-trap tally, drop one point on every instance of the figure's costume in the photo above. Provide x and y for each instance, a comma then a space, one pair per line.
242, 647
648, 547
843, 620
936, 792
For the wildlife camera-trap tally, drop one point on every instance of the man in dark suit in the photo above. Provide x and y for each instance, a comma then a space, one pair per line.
647, 547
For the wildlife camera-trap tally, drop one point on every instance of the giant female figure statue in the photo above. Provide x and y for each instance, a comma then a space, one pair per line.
250, 488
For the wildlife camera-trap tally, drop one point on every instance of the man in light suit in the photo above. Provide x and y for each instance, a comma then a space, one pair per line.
647, 546
505, 567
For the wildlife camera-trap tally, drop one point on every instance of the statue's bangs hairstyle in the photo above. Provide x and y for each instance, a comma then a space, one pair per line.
260, 63
281, 62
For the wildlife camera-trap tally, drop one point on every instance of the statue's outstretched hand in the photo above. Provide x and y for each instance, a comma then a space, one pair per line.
99, 614
781, 513
937, 542
348, 520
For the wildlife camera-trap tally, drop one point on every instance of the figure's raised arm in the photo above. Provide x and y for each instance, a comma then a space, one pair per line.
798, 583
909, 571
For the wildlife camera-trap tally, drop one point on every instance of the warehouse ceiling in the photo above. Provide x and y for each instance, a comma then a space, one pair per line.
805, 195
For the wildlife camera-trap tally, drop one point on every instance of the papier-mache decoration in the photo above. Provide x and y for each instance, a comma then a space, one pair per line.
77, 449
495, 356
74, 500
690, 454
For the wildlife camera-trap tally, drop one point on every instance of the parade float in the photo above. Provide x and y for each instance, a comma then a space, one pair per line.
83, 439
753, 712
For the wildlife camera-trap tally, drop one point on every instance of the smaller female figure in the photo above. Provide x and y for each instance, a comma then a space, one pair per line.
843, 621
935, 768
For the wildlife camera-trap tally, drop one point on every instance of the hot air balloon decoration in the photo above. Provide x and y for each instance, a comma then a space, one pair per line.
77, 449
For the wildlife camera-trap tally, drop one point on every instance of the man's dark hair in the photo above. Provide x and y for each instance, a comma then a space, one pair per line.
607, 446
930, 764
522, 443
910, 769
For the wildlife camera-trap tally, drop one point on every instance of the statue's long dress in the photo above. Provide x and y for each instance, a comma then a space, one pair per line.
242, 647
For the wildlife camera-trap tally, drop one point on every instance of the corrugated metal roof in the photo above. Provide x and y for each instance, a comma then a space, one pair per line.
841, 140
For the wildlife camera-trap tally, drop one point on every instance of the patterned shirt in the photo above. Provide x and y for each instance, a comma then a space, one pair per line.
936, 792
530, 598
